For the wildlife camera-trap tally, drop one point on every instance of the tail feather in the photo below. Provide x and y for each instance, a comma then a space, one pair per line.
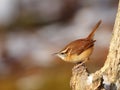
91, 35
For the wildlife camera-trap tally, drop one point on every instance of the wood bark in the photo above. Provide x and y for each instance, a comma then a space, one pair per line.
108, 77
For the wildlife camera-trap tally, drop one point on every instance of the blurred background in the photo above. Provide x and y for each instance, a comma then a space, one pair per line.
32, 30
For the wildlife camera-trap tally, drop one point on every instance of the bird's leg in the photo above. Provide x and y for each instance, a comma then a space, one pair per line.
79, 64
82, 63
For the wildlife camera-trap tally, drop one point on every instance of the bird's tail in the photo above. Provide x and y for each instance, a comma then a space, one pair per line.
91, 35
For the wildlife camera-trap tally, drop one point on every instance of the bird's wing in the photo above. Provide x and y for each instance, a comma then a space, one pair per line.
84, 45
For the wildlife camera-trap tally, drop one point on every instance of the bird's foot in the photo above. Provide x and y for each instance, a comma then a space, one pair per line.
77, 66
80, 64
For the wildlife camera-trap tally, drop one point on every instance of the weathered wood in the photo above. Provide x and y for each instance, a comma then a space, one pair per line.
108, 77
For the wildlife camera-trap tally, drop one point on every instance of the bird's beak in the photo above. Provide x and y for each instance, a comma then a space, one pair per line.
54, 53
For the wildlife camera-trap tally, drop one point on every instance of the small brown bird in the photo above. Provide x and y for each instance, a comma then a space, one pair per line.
78, 51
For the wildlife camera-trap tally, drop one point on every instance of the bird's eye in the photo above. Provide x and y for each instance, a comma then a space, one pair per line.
62, 53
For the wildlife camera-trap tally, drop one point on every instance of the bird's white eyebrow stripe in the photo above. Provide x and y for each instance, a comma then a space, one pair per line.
65, 50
